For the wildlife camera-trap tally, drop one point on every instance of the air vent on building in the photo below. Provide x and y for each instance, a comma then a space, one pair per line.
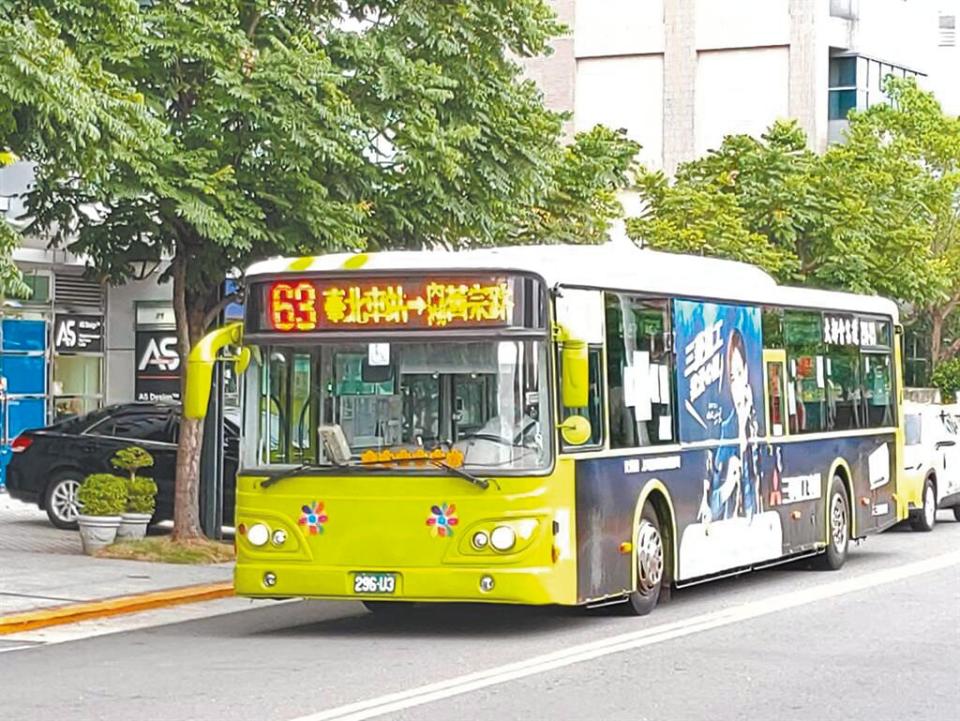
948, 31
73, 290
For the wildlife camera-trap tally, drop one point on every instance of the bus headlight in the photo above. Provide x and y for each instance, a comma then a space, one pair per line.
279, 537
258, 534
503, 538
480, 539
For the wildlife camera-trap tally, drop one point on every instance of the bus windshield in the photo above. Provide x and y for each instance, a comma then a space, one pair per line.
485, 402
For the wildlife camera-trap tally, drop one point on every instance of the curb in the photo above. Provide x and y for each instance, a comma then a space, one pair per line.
116, 606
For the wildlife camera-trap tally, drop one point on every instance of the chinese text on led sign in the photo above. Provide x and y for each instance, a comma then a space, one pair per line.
304, 305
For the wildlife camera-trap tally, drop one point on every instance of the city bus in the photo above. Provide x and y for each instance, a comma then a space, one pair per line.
550, 425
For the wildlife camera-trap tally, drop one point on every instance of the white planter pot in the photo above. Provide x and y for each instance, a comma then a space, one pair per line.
97, 532
133, 526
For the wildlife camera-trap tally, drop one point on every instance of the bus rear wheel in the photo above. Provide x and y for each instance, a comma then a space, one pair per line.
838, 516
651, 556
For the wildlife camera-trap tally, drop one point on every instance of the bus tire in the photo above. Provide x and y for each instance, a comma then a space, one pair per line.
651, 558
838, 536
926, 518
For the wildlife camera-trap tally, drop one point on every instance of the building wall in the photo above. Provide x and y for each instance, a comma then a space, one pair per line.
121, 323
678, 75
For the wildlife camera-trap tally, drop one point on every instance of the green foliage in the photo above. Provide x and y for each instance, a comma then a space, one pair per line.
946, 377
68, 111
141, 495
102, 494
301, 128
131, 459
877, 213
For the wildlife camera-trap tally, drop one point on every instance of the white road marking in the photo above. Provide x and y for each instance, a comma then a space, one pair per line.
456, 686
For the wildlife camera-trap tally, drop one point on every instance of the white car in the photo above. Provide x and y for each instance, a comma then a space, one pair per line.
931, 462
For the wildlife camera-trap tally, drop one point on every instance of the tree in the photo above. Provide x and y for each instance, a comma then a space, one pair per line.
914, 130
877, 213
306, 127
53, 104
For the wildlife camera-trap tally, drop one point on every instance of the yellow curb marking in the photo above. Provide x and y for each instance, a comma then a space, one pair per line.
74, 612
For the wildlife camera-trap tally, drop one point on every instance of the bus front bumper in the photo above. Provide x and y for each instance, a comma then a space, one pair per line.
526, 585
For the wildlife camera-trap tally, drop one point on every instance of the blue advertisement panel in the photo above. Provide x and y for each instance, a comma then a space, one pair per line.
720, 371
720, 393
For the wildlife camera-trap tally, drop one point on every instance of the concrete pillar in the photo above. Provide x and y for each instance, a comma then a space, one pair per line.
809, 68
679, 82
556, 75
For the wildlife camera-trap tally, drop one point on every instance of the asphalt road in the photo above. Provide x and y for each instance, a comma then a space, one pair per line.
878, 640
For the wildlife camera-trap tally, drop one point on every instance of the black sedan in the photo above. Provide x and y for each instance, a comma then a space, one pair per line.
49, 463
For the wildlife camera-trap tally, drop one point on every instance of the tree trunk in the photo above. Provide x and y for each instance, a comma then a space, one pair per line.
190, 328
936, 337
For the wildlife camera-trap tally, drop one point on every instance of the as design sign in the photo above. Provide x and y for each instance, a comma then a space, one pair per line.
74, 333
158, 366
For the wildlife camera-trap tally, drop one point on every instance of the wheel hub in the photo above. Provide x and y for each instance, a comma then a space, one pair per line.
649, 557
64, 500
838, 522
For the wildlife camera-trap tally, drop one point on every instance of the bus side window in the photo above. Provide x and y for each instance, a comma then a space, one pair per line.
640, 368
593, 412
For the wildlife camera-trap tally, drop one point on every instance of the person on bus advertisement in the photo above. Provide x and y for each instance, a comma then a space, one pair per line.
721, 402
743, 418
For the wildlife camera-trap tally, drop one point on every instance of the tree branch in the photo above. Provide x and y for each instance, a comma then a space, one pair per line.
212, 314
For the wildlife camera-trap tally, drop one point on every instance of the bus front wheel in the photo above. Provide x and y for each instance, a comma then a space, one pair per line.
651, 558
838, 517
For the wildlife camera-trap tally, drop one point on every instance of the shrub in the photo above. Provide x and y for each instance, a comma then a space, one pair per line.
102, 494
946, 377
131, 460
141, 495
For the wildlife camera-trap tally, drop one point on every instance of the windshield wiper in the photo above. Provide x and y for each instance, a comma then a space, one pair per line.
296, 471
482, 483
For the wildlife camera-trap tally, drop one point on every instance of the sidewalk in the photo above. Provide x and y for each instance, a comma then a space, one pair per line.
42, 568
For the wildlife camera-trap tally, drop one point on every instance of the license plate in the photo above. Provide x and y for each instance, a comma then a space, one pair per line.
374, 583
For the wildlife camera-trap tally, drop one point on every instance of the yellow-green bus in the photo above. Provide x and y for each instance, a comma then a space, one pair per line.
550, 425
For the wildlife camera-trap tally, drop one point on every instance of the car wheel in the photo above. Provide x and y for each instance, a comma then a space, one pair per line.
956, 513
651, 557
926, 519
60, 500
838, 538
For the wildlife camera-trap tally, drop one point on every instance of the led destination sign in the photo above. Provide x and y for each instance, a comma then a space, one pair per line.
304, 305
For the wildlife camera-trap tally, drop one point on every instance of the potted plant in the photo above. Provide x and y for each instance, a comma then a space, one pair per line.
102, 498
141, 493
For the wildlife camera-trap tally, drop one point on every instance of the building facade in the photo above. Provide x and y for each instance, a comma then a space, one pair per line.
679, 75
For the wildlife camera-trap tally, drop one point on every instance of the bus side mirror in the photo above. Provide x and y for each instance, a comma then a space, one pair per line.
575, 430
575, 374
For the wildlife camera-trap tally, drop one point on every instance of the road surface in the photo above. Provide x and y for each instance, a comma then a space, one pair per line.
877, 640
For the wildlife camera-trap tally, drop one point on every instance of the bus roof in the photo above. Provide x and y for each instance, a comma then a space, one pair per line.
615, 266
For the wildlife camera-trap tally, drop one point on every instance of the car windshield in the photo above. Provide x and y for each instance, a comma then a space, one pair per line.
912, 424
484, 403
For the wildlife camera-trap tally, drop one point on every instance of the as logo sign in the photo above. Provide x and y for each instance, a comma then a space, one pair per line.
67, 334
160, 354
